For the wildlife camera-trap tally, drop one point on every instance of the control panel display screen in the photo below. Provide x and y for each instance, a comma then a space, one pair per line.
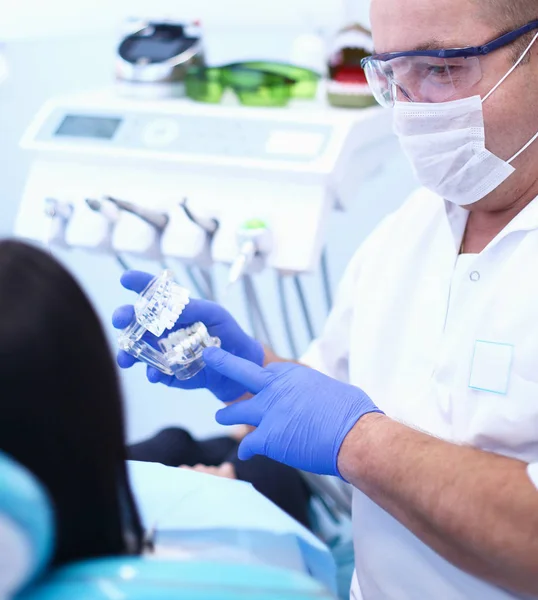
103, 128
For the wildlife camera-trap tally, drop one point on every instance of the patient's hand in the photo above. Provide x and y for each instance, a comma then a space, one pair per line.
240, 432
226, 470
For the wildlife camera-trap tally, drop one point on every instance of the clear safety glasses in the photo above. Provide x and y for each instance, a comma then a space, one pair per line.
431, 75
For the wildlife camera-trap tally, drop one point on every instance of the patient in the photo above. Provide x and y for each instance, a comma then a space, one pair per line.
61, 408
62, 413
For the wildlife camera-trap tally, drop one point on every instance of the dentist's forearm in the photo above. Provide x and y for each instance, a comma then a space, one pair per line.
478, 510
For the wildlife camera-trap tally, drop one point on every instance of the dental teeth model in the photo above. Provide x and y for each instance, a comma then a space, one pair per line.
183, 350
157, 309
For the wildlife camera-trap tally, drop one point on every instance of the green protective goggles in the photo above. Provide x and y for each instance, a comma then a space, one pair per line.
254, 83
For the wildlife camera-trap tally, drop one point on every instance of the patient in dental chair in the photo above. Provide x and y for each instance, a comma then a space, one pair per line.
62, 415
61, 407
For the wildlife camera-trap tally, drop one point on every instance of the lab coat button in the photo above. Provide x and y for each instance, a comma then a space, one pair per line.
474, 276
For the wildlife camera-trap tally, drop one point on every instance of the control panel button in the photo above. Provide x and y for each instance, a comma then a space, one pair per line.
161, 132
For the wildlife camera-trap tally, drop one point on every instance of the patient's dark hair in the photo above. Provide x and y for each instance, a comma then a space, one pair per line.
61, 411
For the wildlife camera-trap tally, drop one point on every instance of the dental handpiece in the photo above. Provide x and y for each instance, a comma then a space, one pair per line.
156, 219
242, 262
104, 207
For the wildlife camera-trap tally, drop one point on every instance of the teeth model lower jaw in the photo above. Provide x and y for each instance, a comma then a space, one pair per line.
183, 350
158, 309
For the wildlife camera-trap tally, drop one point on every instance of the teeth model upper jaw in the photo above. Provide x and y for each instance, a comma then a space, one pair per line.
161, 304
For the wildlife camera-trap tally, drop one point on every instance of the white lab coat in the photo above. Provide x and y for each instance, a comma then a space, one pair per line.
533, 473
416, 334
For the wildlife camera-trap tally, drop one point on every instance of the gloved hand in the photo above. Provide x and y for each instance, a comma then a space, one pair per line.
219, 324
302, 417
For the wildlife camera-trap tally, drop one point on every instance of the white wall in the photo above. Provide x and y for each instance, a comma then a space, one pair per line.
37, 18
43, 68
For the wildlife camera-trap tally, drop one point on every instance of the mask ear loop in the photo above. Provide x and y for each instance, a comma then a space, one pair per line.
529, 143
535, 137
512, 69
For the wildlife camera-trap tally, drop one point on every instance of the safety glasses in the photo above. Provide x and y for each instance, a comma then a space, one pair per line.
431, 75
254, 83
304, 82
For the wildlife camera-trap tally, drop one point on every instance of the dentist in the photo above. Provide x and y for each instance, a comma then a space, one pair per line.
422, 391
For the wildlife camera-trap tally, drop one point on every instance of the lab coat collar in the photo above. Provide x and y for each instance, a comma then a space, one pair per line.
526, 220
457, 220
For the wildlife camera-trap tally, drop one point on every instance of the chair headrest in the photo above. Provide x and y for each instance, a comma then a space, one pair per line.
26, 527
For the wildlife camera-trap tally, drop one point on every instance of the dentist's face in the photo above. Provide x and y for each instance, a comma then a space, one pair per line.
510, 119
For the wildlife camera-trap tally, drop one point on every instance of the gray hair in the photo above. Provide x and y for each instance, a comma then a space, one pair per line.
507, 15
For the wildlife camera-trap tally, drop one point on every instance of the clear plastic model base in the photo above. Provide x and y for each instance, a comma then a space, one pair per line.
183, 350
144, 352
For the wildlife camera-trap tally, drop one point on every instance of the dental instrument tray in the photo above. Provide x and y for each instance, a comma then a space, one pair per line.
157, 310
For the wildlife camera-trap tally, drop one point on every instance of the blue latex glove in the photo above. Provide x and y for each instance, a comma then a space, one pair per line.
219, 324
302, 417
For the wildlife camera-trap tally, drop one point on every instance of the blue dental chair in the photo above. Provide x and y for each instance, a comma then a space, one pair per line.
26, 528
26, 546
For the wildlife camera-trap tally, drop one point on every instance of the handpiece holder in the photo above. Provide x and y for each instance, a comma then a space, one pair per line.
157, 310
60, 214
55, 209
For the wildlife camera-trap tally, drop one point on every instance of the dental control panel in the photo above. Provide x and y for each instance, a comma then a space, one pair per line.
196, 135
119, 174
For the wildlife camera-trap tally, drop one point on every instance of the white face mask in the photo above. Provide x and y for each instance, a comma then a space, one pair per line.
446, 144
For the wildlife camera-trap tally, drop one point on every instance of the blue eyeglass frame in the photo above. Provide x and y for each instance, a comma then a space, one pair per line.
467, 52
